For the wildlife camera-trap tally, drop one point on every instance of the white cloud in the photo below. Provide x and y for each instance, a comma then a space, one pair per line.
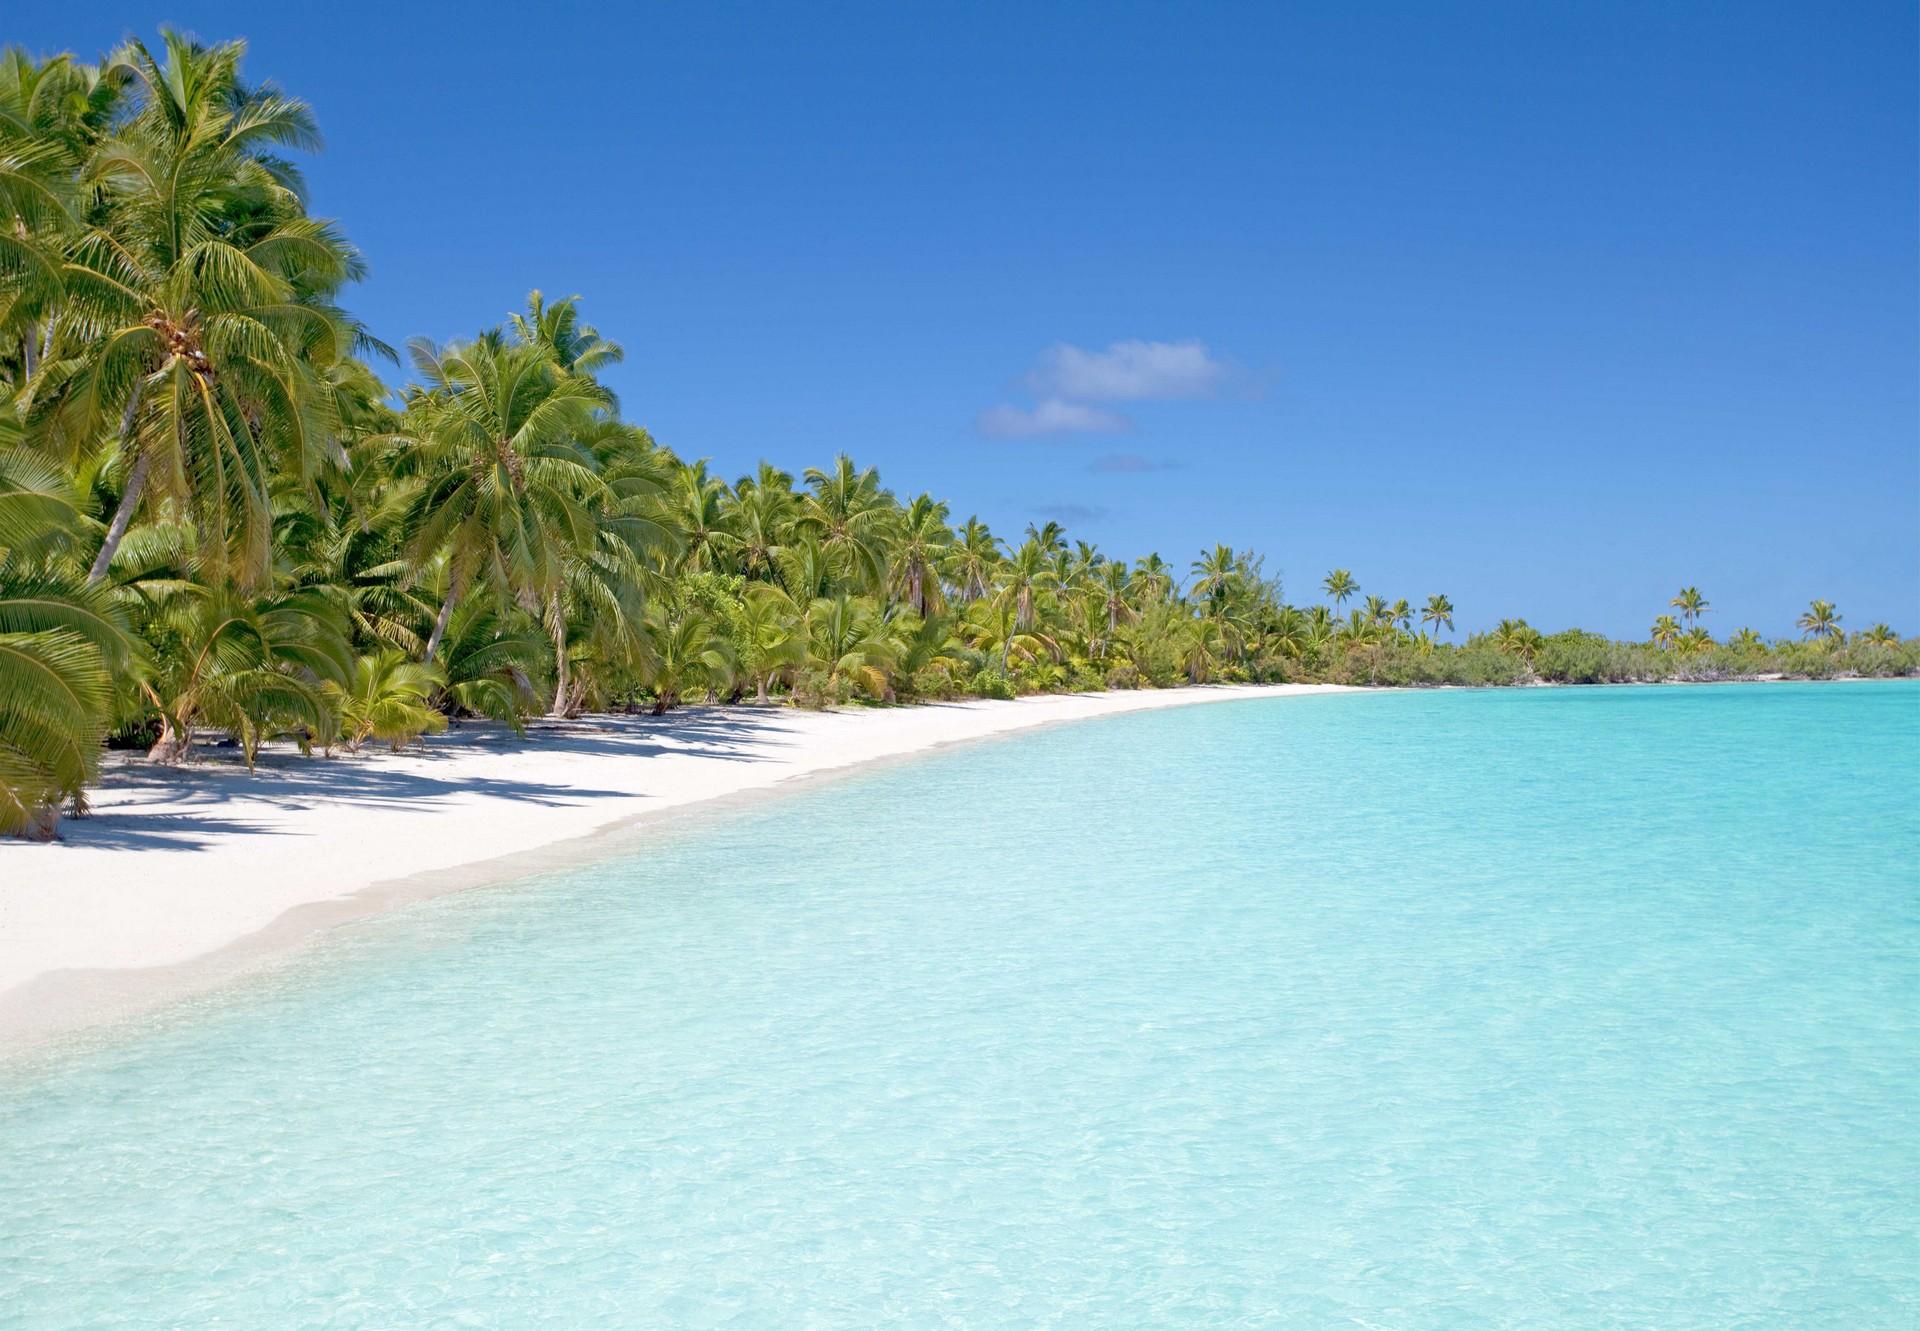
1132, 371
1051, 416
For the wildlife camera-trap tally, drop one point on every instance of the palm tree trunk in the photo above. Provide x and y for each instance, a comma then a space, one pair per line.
560, 671
441, 620
760, 689
122, 517
173, 746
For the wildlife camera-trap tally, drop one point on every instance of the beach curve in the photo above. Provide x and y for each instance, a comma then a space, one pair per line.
186, 878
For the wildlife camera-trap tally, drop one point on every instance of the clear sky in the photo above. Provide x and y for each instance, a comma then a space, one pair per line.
1551, 307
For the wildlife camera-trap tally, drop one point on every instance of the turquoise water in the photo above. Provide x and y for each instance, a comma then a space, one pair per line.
1527, 1009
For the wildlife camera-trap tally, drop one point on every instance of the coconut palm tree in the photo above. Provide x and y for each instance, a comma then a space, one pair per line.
1115, 581
971, 565
847, 512
1665, 631
921, 541
1153, 579
847, 641
197, 320
693, 507
253, 666
926, 655
1202, 647
575, 346
1518, 638
1821, 620
1215, 574
387, 699
52, 115
1690, 603
1881, 635
769, 636
507, 487
1438, 613
1024, 575
760, 514
62, 646
1745, 640
686, 654
1695, 641
1340, 585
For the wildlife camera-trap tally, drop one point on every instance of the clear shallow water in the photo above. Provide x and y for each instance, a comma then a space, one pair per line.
1557, 1008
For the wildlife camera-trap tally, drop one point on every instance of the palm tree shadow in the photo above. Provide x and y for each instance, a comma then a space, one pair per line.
186, 808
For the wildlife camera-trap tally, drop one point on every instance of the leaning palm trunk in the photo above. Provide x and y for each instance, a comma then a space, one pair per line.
122, 518
441, 620
173, 746
561, 682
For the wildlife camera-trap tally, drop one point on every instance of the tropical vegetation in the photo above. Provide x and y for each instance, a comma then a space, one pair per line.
217, 521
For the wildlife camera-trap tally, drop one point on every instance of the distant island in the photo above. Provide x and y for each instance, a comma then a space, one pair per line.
217, 519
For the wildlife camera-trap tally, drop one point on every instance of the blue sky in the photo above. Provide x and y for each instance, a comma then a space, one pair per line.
1551, 307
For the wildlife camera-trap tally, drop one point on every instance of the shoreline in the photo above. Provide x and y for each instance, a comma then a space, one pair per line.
187, 879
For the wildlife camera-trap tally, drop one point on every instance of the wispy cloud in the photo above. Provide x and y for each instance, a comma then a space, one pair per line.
1051, 416
1074, 389
1133, 371
1129, 464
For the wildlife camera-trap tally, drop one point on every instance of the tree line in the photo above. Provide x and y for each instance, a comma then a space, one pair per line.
216, 517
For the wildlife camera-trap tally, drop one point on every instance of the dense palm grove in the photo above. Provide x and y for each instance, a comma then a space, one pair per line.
215, 518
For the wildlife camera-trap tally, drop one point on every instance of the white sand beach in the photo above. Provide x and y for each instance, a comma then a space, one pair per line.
187, 876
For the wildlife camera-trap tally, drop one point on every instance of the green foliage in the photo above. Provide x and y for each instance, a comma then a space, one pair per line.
215, 517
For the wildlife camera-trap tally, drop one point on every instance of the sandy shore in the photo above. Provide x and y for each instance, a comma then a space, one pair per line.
187, 877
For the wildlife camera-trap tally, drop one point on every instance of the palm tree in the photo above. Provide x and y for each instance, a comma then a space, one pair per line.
694, 509
1821, 620
1745, 640
1201, 647
1024, 575
685, 653
921, 542
970, 566
255, 667
1665, 631
1340, 585
847, 510
508, 489
1114, 582
1439, 613
769, 636
926, 652
196, 308
1378, 611
52, 116
61, 647
1690, 603
1695, 640
848, 641
760, 515
387, 699
1215, 573
576, 347
1518, 638
1153, 579
1881, 635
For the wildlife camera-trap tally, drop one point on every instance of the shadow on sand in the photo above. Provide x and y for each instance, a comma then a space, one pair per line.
150, 807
